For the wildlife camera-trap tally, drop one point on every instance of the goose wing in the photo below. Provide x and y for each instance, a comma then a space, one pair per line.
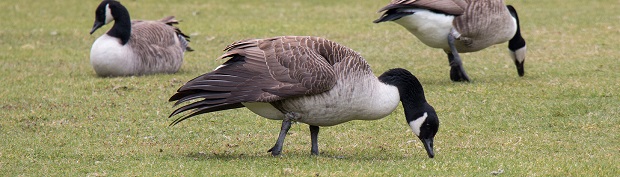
171, 21
259, 70
484, 19
157, 46
452, 7
161, 33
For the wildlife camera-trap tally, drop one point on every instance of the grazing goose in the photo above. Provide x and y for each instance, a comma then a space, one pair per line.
460, 26
135, 47
309, 80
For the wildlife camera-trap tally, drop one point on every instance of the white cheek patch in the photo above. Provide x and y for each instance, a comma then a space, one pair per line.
417, 124
519, 54
108, 14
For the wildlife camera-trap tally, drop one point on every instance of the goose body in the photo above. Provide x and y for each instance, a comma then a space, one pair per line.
135, 47
310, 80
460, 26
374, 101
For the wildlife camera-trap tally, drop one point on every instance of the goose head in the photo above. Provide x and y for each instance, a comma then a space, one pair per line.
420, 115
108, 11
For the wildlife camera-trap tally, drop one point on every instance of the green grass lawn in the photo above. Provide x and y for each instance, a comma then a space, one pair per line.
58, 119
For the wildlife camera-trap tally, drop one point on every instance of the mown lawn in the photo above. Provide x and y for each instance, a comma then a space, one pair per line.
59, 119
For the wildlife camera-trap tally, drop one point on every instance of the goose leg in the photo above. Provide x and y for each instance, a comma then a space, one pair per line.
314, 133
277, 148
457, 72
286, 125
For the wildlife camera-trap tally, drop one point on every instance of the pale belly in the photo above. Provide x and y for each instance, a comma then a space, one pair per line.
430, 28
333, 108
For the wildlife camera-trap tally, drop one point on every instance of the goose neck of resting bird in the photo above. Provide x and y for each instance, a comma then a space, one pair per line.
122, 23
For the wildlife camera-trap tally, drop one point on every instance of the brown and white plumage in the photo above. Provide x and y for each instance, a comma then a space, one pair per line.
137, 47
306, 79
460, 26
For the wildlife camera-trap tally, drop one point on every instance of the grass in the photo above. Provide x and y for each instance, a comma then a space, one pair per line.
59, 119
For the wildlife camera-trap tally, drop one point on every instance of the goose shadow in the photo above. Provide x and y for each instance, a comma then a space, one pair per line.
364, 155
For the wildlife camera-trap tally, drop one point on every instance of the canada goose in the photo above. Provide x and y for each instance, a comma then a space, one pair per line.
135, 47
309, 80
460, 26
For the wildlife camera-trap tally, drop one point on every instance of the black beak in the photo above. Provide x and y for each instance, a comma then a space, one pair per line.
520, 69
428, 145
96, 26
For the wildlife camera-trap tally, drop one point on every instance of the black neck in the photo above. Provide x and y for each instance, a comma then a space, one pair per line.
410, 91
409, 88
517, 42
122, 22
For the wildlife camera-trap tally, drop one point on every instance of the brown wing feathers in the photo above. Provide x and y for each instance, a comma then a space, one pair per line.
258, 70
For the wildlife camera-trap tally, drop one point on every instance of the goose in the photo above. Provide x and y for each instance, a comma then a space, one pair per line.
135, 47
309, 80
460, 26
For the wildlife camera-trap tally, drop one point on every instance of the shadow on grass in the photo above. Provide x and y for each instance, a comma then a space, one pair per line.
368, 155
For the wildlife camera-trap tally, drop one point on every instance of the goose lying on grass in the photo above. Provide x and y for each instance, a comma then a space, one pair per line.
135, 47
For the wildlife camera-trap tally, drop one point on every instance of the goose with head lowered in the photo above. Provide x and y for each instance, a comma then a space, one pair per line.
460, 26
309, 80
135, 47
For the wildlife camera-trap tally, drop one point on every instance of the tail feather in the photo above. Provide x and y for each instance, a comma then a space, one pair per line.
391, 15
211, 92
203, 110
204, 95
210, 103
199, 105
170, 20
